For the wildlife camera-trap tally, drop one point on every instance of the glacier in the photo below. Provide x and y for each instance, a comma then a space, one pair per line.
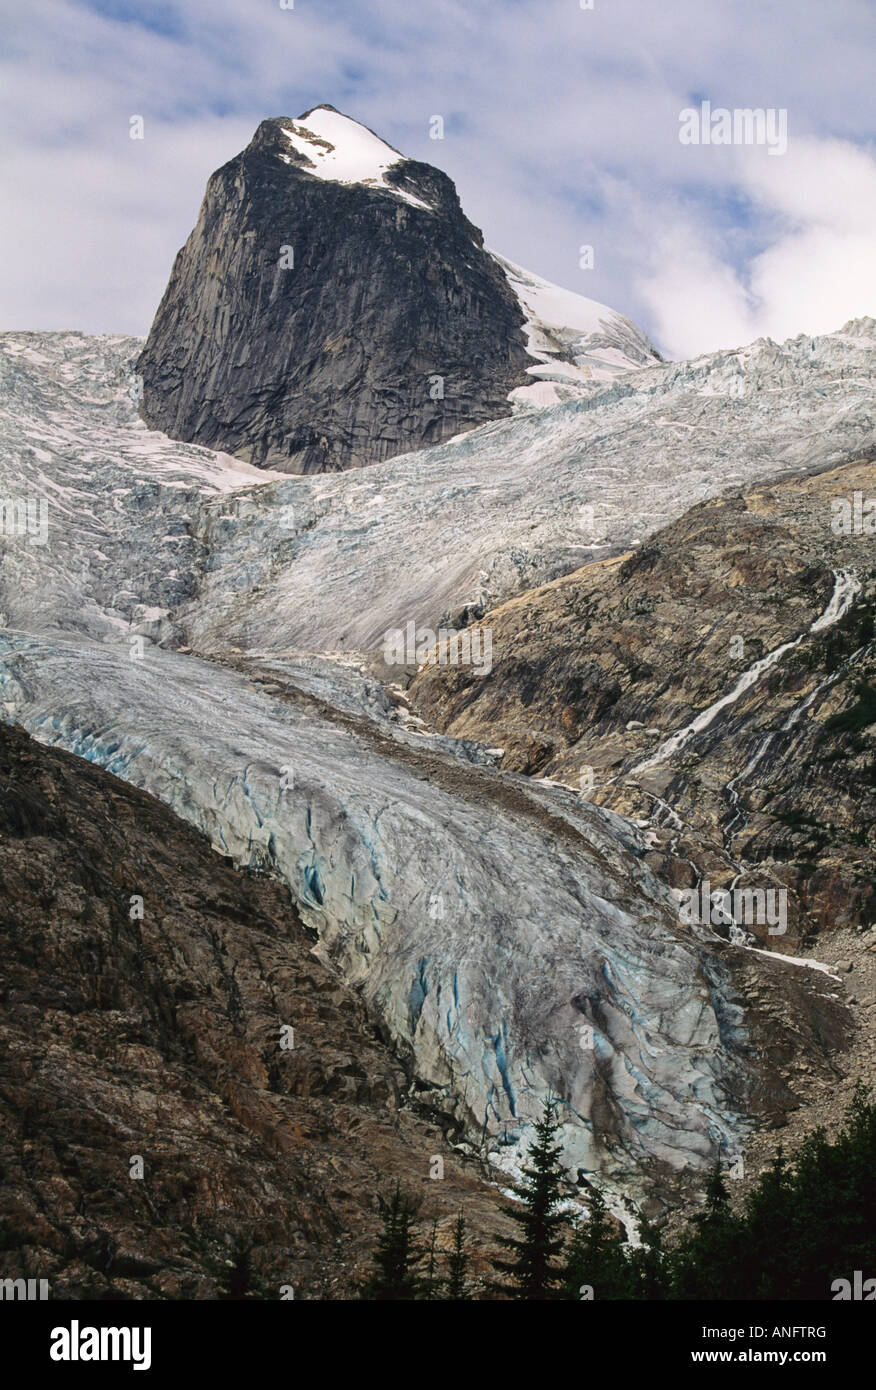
209, 632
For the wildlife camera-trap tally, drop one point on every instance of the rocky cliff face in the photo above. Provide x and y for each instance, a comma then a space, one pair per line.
333, 307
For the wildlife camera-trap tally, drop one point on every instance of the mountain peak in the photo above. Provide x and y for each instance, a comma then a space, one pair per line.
329, 145
334, 307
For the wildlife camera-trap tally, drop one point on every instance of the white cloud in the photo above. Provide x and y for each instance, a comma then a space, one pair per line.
818, 271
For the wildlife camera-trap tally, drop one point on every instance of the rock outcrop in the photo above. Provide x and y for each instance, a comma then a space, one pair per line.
332, 307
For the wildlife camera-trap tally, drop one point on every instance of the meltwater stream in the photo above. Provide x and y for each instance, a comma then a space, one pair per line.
846, 587
767, 742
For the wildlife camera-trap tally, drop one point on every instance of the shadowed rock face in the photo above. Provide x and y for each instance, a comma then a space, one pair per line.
330, 362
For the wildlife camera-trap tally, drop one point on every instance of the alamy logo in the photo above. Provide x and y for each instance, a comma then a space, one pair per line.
855, 1290
28, 1290
25, 517
745, 906
853, 517
741, 126
409, 646
75, 1343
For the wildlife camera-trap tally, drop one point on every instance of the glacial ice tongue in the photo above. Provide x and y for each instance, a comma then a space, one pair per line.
512, 942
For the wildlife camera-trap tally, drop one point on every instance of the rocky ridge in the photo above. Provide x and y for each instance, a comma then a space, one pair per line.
334, 307
331, 308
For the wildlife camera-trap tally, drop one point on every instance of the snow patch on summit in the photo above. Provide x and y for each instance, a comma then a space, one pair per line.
341, 150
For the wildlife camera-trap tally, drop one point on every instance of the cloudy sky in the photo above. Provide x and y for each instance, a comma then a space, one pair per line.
561, 130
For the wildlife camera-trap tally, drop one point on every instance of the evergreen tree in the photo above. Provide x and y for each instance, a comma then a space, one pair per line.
430, 1284
804, 1223
648, 1263
833, 1197
398, 1255
236, 1280
533, 1270
596, 1257
765, 1256
705, 1264
457, 1262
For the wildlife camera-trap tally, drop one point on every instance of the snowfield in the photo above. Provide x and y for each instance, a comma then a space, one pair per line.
340, 149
